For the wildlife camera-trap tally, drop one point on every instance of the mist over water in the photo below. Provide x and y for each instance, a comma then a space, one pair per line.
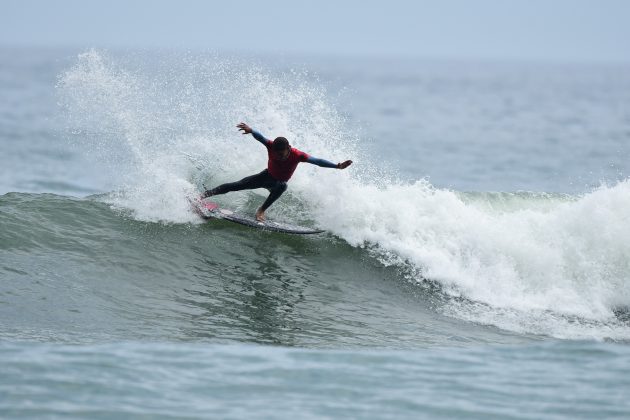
549, 264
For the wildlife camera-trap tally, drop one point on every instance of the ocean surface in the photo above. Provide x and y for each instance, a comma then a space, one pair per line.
476, 260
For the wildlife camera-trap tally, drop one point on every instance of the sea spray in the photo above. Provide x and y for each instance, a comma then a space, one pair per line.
168, 134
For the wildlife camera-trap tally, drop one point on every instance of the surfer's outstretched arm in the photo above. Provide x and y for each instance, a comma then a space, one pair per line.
260, 137
246, 129
328, 164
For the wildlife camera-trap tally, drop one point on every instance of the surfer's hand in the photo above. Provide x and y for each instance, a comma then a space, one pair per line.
246, 129
344, 165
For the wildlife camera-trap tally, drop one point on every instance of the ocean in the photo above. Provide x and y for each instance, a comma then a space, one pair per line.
475, 261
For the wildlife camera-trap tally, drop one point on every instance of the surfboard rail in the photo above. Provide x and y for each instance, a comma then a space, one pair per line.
209, 210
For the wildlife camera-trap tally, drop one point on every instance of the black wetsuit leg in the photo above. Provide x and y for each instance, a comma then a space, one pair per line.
248, 183
260, 180
275, 192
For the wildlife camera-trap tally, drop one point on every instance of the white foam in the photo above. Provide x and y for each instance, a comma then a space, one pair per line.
543, 265
534, 269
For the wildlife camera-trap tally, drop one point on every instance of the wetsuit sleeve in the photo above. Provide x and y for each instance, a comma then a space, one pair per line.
261, 138
321, 162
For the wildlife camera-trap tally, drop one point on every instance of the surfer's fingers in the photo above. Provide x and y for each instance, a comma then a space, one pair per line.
244, 127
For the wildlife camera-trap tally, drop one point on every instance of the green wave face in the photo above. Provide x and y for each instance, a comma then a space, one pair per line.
82, 270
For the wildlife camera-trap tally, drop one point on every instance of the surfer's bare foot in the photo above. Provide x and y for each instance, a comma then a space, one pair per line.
260, 215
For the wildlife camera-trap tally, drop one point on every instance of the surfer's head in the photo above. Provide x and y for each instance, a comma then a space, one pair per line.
281, 148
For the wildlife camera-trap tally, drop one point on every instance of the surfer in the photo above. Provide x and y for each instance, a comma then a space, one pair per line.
283, 160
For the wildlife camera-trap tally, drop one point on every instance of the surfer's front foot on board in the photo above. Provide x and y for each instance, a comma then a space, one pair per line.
260, 215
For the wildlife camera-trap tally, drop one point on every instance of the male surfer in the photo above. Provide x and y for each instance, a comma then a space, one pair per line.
283, 159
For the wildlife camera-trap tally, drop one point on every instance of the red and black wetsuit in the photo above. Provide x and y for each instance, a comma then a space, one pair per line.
275, 177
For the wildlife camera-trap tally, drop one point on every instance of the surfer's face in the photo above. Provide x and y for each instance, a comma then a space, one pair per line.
282, 154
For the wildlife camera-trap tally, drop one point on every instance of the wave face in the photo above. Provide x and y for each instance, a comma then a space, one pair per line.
541, 264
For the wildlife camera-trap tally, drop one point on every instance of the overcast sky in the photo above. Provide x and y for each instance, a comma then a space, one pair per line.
583, 30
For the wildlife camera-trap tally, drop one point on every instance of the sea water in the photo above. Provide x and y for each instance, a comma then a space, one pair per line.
475, 261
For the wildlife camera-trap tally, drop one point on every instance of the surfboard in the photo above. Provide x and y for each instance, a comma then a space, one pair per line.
209, 210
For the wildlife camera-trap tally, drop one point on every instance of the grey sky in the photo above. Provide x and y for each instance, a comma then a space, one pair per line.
585, 30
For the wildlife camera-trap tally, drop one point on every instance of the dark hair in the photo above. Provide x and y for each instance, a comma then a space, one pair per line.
279, 144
